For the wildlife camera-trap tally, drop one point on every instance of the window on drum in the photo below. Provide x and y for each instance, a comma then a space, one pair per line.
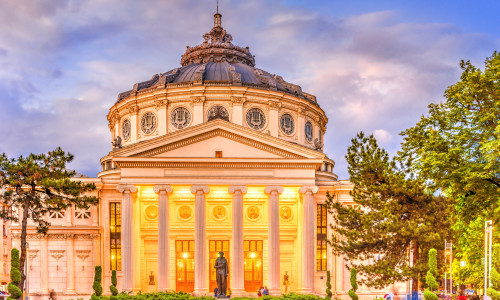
256, 118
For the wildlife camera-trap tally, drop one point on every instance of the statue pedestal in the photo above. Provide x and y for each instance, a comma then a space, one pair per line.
222, 297
151, 288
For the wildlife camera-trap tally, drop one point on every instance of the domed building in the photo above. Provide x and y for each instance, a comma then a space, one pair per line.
215, 155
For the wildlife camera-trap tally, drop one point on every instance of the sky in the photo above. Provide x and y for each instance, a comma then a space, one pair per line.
374, 66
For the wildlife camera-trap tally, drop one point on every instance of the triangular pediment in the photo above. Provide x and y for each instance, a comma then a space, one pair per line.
203, 140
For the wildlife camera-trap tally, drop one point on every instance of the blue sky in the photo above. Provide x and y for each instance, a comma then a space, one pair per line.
373, 65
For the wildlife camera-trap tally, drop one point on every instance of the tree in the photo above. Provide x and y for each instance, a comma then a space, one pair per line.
112, 287
393, 214
494, 290
97, 284
456, 147
15, 276
430, 279
354, 285
39, 184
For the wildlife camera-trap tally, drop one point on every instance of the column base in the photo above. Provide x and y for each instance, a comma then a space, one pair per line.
238, 293
304, 291
200, 292
70, 292
274, 292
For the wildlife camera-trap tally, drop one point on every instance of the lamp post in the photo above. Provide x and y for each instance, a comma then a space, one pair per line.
488, 230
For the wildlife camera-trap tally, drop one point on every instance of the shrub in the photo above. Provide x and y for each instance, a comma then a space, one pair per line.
97, 284
112, 287
494, 290
328, 286
354, 285
15, 276
430, 278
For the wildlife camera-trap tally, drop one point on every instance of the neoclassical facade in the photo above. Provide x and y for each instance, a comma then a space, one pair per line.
215, 155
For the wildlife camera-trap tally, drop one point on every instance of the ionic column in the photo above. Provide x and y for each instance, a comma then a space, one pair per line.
274, 239
238, 283
70, 265
200, 255
163, 237
308, 238
44, 268
127, 236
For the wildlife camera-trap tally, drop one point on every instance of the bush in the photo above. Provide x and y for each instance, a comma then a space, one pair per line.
185, 296
354, 285
430, 278
112, 287
97, 284
428, 295
328, 286
15, 276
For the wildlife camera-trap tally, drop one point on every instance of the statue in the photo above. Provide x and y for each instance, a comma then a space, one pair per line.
117, 143
221, 273
151, 279
286, 282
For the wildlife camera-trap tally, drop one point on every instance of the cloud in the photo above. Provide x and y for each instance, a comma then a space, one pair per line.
63, 63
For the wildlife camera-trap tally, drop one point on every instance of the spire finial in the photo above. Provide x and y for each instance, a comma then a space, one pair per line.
217, 17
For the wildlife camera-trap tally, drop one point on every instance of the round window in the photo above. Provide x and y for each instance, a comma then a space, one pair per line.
180, 117
286, 123
126, 129
148, 123
256, 118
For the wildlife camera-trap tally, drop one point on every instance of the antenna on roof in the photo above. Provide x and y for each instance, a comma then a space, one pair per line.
217, 6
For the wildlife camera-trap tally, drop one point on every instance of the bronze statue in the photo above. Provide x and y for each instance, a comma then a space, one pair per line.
151, 279
221, 273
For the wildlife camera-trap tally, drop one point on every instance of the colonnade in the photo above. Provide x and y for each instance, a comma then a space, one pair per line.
200, 283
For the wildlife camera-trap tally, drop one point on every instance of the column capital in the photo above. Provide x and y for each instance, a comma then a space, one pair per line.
308, 188
200, 187
273, 188
162, 187
126, 188
234, 188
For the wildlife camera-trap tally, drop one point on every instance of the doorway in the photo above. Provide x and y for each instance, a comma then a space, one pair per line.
253, 265
184, 257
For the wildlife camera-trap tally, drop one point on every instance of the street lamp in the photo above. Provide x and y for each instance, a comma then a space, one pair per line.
488, 230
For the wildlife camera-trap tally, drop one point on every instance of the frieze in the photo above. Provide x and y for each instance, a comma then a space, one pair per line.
133, 109
161, 103
198, 99
274, 104
248, 165
238, 100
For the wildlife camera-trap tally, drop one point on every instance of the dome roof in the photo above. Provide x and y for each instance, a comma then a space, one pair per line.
218, 61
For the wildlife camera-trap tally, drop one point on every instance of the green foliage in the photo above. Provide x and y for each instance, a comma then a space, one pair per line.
430, 279
15, 276
112, 287
97, 284
328, 286
185, 296
456, 146
428, 295
39, 184
354, 285
395, 211
494, 290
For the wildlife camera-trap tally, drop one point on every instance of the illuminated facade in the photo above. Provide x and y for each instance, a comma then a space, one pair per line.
215, 155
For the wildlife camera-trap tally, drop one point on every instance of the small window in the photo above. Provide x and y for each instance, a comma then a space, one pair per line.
82, 213
218, 154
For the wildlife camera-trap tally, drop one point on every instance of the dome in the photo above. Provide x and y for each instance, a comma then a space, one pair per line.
217, 61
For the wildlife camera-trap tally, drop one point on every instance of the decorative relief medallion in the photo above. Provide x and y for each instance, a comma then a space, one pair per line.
309, 131
217, 112
151, 212
253, 213
148, 122
286, 123
219, 212
256, 118
126, 129
285, 213
185, 212
180, 117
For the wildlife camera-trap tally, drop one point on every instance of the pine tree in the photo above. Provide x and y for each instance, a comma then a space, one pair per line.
354, 285
112, 287
97, 284
15, 276
494, 290
328, 286
430, 279
394, 213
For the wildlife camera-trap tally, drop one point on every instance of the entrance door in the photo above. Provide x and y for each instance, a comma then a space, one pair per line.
253, 265
215, 247
184, 257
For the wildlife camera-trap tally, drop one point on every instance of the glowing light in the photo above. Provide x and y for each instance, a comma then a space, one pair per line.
112, 257
252, 255
185, 255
